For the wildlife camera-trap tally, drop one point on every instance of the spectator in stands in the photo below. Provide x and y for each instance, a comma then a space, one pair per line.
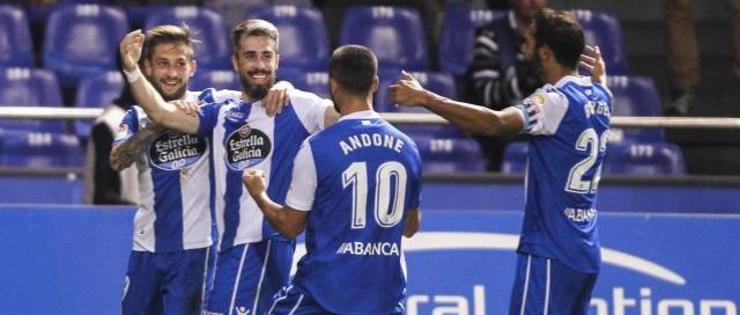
103, 184
683, 53
499, 75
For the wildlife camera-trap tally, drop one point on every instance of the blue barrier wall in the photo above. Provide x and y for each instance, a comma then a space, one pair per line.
71, 260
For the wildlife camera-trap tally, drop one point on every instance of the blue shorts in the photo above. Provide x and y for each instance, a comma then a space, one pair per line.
291, 301
248, 275
546, 286
165, 283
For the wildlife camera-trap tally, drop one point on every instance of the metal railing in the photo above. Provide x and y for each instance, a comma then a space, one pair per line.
21, 112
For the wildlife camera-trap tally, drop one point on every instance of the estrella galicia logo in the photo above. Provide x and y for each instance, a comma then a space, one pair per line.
246, 147
173, 150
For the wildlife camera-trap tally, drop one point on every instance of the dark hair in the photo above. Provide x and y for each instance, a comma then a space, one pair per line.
354, 67
254, 27
560, 31
167, 34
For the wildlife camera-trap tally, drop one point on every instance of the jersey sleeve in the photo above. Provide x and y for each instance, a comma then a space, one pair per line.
208, 118
211, 95
415, 197
128, 127
543, 111
310, 109
303, 185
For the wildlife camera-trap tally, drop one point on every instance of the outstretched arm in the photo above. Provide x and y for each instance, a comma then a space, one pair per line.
148, 98
125, 153
471, 118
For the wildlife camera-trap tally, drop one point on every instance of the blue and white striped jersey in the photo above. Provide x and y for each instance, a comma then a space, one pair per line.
173, 174
244, 137
568, 127
358, 178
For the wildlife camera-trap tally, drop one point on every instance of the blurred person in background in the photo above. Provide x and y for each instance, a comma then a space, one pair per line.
499, 75
683, 52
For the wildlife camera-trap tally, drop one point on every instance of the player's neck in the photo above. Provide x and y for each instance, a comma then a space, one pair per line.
555, 73
349, 105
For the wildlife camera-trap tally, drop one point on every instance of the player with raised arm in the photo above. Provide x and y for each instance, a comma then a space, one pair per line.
567, 122
356, 191
254, 261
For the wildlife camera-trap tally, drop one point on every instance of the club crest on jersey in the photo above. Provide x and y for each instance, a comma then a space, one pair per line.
174, 150
246, 147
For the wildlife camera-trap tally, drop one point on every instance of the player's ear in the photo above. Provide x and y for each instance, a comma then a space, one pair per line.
235, 62
193, 66
333, 87
376, 83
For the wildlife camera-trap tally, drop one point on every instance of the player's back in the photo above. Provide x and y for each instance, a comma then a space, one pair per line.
368, 174
567, 149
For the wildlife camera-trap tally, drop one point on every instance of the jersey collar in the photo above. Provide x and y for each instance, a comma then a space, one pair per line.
580, 80
365, 114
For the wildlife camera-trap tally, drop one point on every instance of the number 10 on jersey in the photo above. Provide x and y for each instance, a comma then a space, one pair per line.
389, 194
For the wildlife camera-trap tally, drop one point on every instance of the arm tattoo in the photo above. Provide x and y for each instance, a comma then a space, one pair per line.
125, 153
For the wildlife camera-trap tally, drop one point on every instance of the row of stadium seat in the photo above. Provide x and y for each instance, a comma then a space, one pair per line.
634, 95
82, 39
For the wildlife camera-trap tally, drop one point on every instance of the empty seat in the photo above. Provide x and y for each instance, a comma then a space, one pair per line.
604, 30
437, 82
515, 158
96, 91
450, 154
218, 79
82, 40
457, 38
316, 82
205, 25
39, 149
16, 44
635, 96
304, 42
644, 159
395, 34
30, 87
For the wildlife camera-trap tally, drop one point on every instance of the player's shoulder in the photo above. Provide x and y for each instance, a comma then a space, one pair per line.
212, 95
303, 98
548, 94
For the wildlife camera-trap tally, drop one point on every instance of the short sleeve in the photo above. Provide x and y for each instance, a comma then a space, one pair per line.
211, 95
128, 127
415, 197
208, 117
310, 108
303, 185
543, 111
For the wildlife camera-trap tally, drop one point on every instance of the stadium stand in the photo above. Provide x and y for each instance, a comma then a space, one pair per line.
219, 79
304, 43
457, 37
645, 159
81, 40
438, 82
441, 154
604, 30
16, 45
35, 149
206, 25
635, 96
395, 34
30, 87
312, 81
96, 91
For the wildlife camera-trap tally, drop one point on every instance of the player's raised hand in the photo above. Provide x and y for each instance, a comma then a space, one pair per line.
591, 60
130, 48
188, 107
254, 180
277, 98
407, 91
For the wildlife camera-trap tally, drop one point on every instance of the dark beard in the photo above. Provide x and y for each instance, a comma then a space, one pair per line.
255, 92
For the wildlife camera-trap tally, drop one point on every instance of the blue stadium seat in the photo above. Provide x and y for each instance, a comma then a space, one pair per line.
395, 34
206, 25
219, 79
16, 48
312, 81
30, 87
635, 96
604, 30
39, 149
644, 159
82, 40
450, 154
515, 158
96, 91
457, 38
304, 42
437, 82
